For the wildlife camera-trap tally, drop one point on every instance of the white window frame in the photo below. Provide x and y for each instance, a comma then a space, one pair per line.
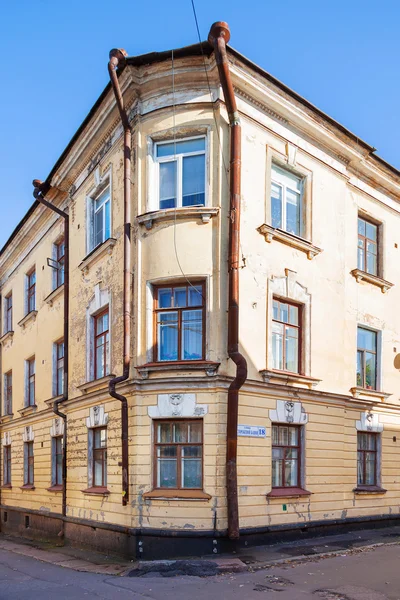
284, 187
179, 171
102, 184
379, 361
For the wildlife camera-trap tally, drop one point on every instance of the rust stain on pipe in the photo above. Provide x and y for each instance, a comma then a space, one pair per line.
39, 193
219, 36
117, 60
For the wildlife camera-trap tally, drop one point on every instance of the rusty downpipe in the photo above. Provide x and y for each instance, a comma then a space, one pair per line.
117, 60
218, 37
39, 192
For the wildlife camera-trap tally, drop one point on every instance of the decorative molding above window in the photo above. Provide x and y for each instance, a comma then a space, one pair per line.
369, 422
57, 427
271, 233
284, 378
6, 438
370, 394
205, 213
97, 417
6, 337
28, 435
96, 384
378, 281
28, 410
288, 411
54, 295
97, 253
177, 405
31, 316
210, 368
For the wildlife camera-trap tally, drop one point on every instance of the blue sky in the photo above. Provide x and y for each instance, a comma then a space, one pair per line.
342, 56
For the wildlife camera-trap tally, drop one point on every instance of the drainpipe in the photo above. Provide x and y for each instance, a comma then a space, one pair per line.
38, 192
218, 37
117, 60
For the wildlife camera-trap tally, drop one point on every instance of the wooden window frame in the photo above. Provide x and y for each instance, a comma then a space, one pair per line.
31, 377
30, 464
31, 291
8, 310
365, 239
300, 308
7, 466
178, 445
96, 337
179, 310
8, 393
59, 363
363, 351
364, 462
60, 257
103, 453
299, 460
56, 453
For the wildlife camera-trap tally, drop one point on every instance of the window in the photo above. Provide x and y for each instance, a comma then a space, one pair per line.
286, 200
286, 456
367, 247
7, 465
31, 291
28, 463
100, 218
8, 393
179, 322
58, 368
57, 460
30, 373
100, 457
366, 358
59, 252
367, 453
101, 345
286, 336
181, 173
8, 313
178, 454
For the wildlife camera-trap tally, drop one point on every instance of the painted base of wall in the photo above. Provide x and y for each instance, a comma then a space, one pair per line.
149, 544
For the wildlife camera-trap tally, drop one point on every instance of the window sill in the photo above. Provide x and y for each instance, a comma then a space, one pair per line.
96, 384
96, 491
31, 316
271, 233
371, 394
161, 494
378, 281
54, 295
50, 401
6, 418
288, 493
210, 368
205, 213
369, 489
27, 486
55, 488
285, 378
6, 337
6, 486
28, 410
93, 256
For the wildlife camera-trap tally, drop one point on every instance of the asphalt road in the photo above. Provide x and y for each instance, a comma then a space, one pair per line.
357, 575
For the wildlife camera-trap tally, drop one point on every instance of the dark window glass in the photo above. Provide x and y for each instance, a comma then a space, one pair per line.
286, 336
366, 358
7, 465
367, 247
101, 345
58, 460
367, 458
8, 313
31, 381
100, 457
8, 393
31, 291
29, 464
285, 456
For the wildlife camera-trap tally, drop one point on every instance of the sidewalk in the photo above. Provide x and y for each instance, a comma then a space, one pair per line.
248, 559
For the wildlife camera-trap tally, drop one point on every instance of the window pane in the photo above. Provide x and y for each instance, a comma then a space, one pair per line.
360, 474
284, 313
370, 370
192, 335
193, 180
166, 467
180, 297
283, 436
275, 309
277, 346
371, 231
292, 212
277, 462
104, 197
360, 369
195, 430
292, 350
275, 435
366, 339
164, 298
372, 247
180, 431
291, 473
102, 323
107, 221
168, 184
180, 147
98, 227
276, 205
195, 296
360, 259
371, 264
191, 467
293, 315
361, 227
100, 366
98, 468
370, 468
164, 432
293, 436
168, 336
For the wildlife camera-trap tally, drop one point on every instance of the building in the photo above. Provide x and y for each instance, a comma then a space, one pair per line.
319, 411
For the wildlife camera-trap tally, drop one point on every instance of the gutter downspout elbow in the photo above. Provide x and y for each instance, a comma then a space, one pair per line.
218, 37
39, 192
117, 60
